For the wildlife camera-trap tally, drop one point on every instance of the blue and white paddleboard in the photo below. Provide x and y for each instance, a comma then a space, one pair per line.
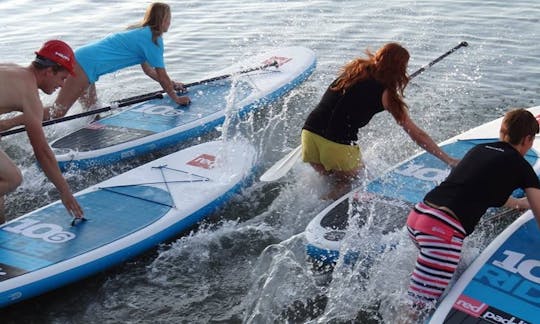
159, 123
126, 215
395, 192
502, 285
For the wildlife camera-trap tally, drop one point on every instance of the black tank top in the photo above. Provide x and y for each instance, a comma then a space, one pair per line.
485, 177
339, 116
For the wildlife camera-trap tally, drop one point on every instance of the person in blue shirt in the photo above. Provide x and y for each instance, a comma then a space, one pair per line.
139, 44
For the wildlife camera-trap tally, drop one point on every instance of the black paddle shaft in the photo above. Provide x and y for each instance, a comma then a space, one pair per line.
455, 48
136, 99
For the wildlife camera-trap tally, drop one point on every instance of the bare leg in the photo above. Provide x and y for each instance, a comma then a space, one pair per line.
341, 183
89, 97
73, 88
341, 180
10, 179
320, 169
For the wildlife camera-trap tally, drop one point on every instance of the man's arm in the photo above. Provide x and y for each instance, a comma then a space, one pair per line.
32, 116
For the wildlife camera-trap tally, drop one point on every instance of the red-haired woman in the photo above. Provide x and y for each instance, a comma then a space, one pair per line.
365, 87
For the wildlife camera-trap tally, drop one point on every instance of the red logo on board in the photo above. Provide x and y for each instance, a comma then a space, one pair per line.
470, 306
205, 161
279, 59
95, 126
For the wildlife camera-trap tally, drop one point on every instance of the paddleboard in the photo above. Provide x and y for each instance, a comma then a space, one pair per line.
394, 193
502, 285
159, 123
126, 215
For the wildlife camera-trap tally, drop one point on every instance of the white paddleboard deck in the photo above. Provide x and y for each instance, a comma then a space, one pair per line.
396, 191
159, 123
126, 215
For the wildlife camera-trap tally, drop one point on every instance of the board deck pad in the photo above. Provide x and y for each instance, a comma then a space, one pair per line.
48, 237
98, 136
160, 115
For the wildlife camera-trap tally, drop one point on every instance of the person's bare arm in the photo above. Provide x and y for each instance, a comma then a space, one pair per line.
419, 136
33, 116
160, 75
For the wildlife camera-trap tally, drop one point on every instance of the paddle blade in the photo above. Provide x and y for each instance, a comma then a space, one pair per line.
281, 167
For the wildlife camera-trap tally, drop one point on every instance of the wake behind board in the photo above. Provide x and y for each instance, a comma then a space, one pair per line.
126, 215
160, 123
394, 193
502, 285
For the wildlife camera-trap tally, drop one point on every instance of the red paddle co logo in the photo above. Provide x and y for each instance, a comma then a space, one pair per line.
205, 161
280, 60
478, 309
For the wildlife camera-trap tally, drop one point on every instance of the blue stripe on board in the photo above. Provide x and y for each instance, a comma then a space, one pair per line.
413, 179
174, 139
160, 115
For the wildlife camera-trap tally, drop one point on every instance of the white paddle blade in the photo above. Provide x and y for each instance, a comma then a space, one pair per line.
281, 167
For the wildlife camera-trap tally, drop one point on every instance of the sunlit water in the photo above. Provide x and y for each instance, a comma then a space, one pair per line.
247, 263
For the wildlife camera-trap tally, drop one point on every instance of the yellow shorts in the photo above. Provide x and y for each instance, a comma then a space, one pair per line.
333, 156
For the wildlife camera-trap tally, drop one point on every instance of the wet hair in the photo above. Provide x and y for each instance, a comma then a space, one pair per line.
41, 63
388, 66
518, 124
155, 14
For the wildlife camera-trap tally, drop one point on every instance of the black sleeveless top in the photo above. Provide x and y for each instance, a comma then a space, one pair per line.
339, 116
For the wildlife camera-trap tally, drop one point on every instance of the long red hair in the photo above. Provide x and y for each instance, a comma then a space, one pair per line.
388, 66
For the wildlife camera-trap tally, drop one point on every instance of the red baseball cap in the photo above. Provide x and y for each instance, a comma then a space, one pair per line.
58, 52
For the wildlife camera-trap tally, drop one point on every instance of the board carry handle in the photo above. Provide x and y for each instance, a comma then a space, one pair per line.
137, 99
281, 167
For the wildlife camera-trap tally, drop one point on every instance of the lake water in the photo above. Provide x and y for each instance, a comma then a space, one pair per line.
247, 264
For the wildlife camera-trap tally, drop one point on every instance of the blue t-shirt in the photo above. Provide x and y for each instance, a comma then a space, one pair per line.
120, 50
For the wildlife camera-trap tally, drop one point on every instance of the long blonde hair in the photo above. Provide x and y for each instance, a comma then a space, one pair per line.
388, 66
155, 14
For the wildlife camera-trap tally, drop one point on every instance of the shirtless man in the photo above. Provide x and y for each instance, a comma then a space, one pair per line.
19, 92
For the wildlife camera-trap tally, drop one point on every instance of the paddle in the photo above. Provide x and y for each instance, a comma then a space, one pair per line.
136, 99
281, 167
